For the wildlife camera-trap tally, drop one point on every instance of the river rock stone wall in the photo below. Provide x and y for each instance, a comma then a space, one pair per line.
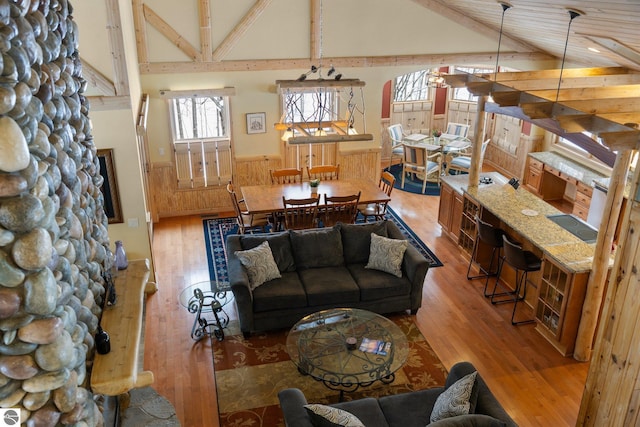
54, 245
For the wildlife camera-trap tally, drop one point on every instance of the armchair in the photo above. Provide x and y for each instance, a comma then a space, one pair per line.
396, 135
461, 161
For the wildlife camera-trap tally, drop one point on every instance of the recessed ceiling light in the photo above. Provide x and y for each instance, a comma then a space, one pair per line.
593, 49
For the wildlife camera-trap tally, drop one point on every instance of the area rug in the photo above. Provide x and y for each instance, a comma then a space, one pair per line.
412, 185
250, 372
217, 229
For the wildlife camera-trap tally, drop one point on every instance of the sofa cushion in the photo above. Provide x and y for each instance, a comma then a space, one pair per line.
284, 293
470, 420
329, 285
378, 285
455, 400
317, 248
387, 254
367, 410
327, 416
356, 240
259, 264
280, 247
409, 409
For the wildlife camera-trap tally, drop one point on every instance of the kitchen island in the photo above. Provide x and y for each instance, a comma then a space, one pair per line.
566, 259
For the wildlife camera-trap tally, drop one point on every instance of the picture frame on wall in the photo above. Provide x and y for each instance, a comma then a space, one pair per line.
109, 188
256, 123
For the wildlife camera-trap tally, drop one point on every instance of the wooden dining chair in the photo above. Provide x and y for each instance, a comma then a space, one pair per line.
245, 220
379, 210
324, 172
422, 163
286, 176
340, 209
300, 213
396, 135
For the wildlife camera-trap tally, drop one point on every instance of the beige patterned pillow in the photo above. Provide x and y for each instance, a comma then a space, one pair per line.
259, 264
455, 400
327, 416
386, 254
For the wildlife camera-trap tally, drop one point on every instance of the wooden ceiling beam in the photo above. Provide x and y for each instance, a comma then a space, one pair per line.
239, 30
503, 77
141, 31
97, 80
425, 60
574, 82
171, 34
204, 15
116, 42
624, 91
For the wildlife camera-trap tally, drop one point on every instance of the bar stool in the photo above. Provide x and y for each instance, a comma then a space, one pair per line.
492, 237
521, 261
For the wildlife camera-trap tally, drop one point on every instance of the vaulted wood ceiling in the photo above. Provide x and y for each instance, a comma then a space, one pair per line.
603, 98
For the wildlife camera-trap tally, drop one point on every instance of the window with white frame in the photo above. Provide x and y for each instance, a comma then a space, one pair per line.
412, 86
311, 105
201, 138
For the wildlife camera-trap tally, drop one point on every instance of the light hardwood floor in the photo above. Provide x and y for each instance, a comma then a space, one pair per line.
537, 386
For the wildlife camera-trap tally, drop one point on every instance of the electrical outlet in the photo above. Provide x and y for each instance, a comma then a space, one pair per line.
161, 151
132, 222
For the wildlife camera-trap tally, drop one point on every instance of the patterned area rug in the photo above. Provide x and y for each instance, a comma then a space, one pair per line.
250, 373
411, 184
216, 230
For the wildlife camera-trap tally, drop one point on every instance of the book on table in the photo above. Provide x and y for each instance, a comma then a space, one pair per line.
380, 347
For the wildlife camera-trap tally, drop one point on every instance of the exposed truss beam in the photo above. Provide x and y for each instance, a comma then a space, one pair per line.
116, 41
97, 80
338, 62
232, 38
204, 12
166, 30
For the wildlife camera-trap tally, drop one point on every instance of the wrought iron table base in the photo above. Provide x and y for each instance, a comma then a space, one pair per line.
205, 302
349, 387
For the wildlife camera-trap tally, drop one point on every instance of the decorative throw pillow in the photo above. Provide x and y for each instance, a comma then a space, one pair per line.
327, 416
356, 240
259, 264
455, 400
386, 254
470, 420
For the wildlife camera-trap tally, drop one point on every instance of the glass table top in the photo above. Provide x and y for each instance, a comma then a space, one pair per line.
347, 346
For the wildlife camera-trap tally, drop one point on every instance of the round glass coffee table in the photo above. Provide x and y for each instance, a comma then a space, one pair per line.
347, 348
207, 297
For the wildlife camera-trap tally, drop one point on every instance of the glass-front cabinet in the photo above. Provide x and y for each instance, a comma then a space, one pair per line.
559, 304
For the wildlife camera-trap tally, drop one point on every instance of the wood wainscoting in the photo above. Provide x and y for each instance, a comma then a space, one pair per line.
171, 201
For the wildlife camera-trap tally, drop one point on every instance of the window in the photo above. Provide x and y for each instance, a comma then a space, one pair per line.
461, 93
412, 86
312, 105
201, 139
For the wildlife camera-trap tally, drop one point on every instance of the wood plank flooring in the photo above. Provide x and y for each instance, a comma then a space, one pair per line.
536, 385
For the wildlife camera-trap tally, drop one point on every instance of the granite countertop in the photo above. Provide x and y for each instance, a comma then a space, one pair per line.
568, 166
508, 205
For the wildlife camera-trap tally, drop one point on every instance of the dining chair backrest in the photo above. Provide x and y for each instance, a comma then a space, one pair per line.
396, 134
286, 176
300, 213
324, 172
457, 129
415, 157
387, 181
340, 209
234, 201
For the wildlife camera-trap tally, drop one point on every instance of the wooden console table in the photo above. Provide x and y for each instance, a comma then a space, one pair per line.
117, 372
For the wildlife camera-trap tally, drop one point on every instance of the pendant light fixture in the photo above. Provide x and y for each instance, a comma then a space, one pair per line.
573, 14
505, 7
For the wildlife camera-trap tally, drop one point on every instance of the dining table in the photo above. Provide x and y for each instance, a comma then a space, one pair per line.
267, 198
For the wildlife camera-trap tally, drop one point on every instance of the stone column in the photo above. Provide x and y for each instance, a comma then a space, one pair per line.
54, 245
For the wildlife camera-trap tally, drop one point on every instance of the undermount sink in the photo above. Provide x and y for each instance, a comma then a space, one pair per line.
575, 226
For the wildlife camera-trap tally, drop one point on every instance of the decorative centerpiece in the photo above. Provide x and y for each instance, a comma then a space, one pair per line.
436, 136
314, 183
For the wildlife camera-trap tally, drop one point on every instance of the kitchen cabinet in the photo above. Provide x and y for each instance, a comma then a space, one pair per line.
450, 211
583, 200
559, 305
534, 175
467, 235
